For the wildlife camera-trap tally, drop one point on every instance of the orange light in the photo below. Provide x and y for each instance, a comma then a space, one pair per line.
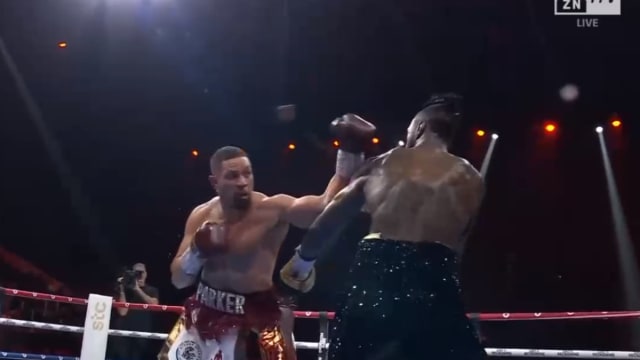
480, 132
336, 143
62, 44
194, 152
375, 140
616, 123
550, 128
292, 146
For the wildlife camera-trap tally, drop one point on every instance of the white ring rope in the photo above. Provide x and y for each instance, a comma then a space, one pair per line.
125, 333
497, 352
563, 354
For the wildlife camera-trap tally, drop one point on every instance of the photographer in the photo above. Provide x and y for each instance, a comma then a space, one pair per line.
132, 288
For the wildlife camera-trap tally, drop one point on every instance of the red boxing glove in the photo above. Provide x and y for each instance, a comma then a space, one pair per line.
353, 132
210, 239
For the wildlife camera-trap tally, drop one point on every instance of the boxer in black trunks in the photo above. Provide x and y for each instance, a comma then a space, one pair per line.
403, 289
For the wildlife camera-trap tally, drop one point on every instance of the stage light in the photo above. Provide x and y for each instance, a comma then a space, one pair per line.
480, 132
375, 140
336, 143
550, 127
194, 153
62, 44
599, 129
494, 136
616, 123
569, 93
292, 146
400, 143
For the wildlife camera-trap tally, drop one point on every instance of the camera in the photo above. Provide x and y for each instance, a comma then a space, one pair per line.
130, 277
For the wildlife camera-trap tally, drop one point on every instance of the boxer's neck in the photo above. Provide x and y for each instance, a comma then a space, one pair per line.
232, 214
431, 143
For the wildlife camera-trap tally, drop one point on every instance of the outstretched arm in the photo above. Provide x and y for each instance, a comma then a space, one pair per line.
302, 211
299, 273
353, 132
326, 229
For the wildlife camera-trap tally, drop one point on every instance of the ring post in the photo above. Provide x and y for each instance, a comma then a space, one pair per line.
474, 318
96, 327
323, 348
2, 300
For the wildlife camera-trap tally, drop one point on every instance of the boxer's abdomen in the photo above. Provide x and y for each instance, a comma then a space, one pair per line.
250, 264
243, 282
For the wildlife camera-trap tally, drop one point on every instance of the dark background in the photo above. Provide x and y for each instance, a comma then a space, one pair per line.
105, 177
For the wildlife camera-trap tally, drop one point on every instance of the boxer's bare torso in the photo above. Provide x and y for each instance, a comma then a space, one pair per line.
422, 195
247, 265
254, 242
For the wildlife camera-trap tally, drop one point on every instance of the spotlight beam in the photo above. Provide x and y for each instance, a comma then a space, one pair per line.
79, 200
484, 168
626, 253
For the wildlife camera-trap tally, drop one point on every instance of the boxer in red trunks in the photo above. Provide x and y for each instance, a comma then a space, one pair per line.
232, 242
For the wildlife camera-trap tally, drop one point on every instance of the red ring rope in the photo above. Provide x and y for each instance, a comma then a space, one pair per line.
331, 315
168, 308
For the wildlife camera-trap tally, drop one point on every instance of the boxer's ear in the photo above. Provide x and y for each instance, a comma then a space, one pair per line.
213, 181
420, 129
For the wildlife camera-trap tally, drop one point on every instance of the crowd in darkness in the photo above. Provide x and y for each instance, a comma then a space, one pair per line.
34, 341
31, 340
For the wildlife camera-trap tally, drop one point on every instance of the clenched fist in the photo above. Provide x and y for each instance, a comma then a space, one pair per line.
210, 239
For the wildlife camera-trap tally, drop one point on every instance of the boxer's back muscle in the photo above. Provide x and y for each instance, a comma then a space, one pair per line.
254, 243
421, 195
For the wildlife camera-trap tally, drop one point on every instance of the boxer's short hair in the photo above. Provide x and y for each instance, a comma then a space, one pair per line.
445, 113
223, 154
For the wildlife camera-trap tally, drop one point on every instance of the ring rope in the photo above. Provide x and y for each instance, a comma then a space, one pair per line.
114, 332
547, 353
317, 314
497, 352
149, 307
532, 353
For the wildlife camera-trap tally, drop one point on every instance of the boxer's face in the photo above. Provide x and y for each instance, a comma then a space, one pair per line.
234, 182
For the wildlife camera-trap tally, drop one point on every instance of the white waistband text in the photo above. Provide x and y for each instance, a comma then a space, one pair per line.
220, 300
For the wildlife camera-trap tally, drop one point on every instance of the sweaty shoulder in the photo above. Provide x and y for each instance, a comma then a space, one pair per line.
203, 212
273, 207
261, 198
275, 202
205, 207
467, 185
374, 163
267, 202
464, 171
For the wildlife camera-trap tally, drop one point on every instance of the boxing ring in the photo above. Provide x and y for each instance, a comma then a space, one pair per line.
321, 347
